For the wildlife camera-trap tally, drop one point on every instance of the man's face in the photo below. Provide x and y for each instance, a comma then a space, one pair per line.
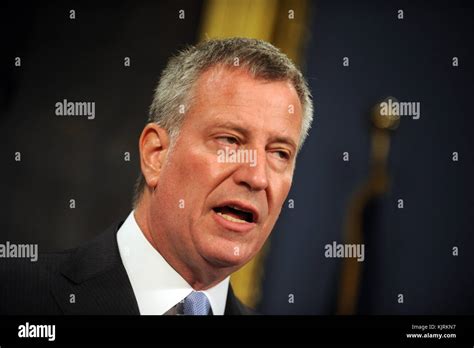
216, 207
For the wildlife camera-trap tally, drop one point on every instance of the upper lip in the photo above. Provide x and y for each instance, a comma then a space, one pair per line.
249, 208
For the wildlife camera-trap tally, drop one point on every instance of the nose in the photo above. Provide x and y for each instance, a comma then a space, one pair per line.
254, 175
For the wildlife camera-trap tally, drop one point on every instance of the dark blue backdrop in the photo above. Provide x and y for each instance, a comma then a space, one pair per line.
409, 250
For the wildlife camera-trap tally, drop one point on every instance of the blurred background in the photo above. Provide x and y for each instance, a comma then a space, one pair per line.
403, 188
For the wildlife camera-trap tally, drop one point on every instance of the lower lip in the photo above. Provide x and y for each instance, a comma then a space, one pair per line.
234, 226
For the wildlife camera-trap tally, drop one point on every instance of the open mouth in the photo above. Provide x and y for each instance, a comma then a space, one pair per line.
235, 214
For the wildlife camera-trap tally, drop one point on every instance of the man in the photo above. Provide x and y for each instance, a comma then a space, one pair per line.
217, 159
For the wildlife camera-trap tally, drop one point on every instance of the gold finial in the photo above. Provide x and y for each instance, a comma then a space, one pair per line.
384, 116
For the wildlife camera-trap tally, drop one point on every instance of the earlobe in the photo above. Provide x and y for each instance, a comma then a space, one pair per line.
153, 146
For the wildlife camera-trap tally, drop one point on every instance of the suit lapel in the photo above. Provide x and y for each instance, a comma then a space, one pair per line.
234, 306
94, 281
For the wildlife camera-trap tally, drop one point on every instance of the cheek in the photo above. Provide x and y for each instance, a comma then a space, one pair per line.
189, 177
204, 170
280, 193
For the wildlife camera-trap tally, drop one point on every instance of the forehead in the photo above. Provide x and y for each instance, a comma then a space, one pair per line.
222, 94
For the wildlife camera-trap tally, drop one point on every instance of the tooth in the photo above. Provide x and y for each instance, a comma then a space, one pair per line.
237, 208
230, 218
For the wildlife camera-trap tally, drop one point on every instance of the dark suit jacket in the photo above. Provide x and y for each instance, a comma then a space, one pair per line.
87, 280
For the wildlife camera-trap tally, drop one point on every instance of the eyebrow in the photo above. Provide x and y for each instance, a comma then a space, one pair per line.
231, 125
236, 127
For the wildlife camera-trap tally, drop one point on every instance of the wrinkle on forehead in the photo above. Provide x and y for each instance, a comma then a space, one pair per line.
216, 93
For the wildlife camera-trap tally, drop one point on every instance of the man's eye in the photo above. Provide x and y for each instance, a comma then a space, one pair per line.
283, 155
228, 140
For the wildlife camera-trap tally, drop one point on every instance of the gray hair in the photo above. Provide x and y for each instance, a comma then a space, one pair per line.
261, 59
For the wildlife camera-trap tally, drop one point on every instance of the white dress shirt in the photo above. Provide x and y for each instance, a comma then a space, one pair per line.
156, 285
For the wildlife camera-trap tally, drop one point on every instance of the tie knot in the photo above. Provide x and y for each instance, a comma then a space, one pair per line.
196, 303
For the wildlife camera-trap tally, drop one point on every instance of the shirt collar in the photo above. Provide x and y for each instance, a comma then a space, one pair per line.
156, 285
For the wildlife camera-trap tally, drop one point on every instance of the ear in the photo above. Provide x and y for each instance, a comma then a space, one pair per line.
154, 145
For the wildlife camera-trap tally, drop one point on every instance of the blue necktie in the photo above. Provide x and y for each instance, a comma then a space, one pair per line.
196, 303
